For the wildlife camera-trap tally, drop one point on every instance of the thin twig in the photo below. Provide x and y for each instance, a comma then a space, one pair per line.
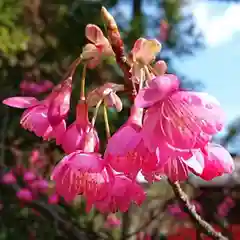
201, 224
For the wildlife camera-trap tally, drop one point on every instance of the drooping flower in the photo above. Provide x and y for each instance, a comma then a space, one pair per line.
107, 92
125, 151
98, 48
119, 197
82, 173
185, 119
35, 88
75, 136
45, 118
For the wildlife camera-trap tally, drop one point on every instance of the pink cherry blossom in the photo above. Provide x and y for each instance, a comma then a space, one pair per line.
79, 131
34, 88
99, 46
107, 92
24, 194
185, 119
82, 173
119, 197
143, 53
9, 178
45, 118
144, 50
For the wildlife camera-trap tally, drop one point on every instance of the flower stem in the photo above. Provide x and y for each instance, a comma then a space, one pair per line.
82, 93
107, 128
72, 68
200, 223
96, 112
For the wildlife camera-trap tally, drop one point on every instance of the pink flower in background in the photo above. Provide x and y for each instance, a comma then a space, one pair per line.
53, 199
164, 31
24, 194
35, 88
119, 197
9, 178
112, 221
29, 176
78, 132
45, 118
224, 208
98, 48
40, 185
82, 173
176, 211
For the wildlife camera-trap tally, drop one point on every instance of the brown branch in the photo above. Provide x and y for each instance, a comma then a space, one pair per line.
200, 223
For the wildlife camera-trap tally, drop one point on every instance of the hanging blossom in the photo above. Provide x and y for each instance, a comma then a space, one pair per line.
168, 132
46, 118
74, 137
125, 151
98, 48
181, 124
107, 92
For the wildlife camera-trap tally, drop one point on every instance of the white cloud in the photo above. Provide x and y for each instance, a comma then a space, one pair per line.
217, 26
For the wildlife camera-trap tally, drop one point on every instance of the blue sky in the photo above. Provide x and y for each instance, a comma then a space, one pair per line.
217, 66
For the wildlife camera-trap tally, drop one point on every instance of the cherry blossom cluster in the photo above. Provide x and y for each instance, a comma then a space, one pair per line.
168, 132
34, 183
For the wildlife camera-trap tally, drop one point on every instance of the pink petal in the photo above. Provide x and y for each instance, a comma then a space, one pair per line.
35, 119
60, 104
207, 111
159, 88
94, 34
187, 118
124, 140
218, 162
21, 102
145, 50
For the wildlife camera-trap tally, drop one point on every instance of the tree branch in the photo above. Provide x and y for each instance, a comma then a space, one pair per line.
200, 223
